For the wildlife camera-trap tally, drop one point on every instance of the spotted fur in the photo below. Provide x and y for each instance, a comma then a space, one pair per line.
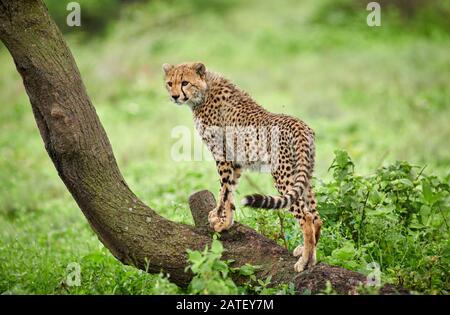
218, 104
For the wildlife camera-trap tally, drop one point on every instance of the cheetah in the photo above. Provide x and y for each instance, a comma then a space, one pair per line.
283, 145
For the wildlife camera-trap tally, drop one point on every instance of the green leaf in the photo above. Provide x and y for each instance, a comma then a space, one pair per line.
406, 182
195, 257
427, 192
247, 270
216, 247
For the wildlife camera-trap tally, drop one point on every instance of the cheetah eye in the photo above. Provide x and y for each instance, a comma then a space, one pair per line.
169, 83
184, 83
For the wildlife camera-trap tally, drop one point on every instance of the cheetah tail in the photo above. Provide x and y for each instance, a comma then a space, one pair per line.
301, 168
276, 202
264, 202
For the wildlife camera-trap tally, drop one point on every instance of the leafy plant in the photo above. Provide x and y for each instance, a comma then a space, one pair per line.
211, 274
397, 217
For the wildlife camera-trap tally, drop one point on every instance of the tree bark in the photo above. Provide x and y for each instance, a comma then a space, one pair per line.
80, 150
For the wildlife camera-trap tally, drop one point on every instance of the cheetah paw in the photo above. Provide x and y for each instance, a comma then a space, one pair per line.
216, 223
214, 220
300, 265
303, 264
298, 251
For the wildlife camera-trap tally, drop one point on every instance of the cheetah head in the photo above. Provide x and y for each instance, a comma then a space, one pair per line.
186, 83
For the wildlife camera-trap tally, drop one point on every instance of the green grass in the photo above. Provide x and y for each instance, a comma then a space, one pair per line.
381, 94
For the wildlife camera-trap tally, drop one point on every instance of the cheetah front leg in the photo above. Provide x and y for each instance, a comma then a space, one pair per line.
221, 218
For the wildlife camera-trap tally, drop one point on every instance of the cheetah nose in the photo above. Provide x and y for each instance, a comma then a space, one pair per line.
175, 97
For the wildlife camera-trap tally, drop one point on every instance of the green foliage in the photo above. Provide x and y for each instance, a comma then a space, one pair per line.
122, 280
265, 287
261, 286
397, 217
328, 289
211, 275
347, 256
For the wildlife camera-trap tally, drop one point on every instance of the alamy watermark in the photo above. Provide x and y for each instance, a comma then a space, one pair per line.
374, 277
73, 278
253, 147
74, 17
374, 17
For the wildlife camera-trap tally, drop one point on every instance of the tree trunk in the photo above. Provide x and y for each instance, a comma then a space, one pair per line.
80, 150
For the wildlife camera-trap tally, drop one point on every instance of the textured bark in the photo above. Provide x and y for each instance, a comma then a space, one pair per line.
80, 150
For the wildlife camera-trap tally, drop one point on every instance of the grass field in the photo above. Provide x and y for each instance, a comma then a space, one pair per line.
381, 94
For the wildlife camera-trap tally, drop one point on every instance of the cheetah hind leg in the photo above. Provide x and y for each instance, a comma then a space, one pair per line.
298, 251
307, 251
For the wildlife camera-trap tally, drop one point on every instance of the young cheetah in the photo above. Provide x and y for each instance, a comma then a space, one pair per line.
241, 134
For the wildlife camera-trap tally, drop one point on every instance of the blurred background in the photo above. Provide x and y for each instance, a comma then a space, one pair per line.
380, 93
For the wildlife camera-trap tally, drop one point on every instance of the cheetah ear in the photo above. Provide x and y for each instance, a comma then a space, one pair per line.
166, 67
199, 68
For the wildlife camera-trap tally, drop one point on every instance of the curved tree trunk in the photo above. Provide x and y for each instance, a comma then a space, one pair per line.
79, 148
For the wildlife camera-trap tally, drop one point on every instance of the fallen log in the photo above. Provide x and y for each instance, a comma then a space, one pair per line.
245, 245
